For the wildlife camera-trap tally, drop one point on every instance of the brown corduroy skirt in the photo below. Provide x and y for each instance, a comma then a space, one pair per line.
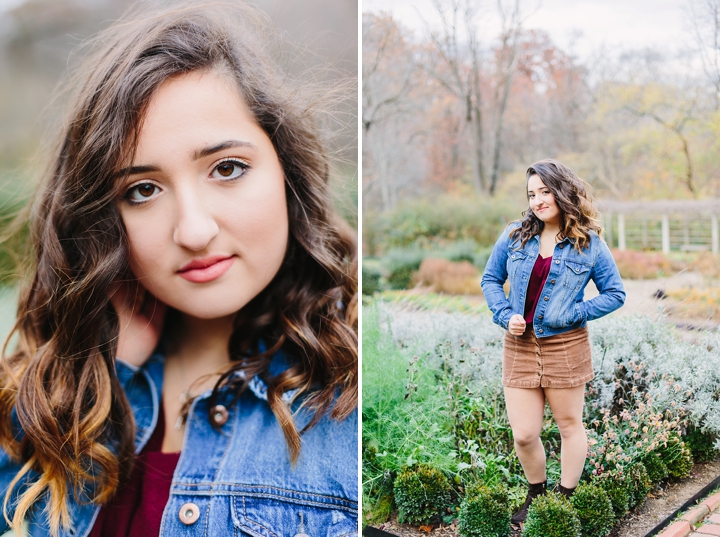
559, 361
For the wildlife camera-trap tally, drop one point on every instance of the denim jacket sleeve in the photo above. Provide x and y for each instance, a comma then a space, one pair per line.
493, 279
607, 279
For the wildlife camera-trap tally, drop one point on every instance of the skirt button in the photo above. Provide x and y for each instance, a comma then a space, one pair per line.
219, 415
189, 513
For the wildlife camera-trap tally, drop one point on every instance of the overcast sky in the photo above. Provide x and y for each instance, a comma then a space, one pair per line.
583, 25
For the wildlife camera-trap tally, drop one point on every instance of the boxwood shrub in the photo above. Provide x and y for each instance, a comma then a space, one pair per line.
551, 515
641, 484
594, 510
656, 468
618, 490
485, 512
421, 494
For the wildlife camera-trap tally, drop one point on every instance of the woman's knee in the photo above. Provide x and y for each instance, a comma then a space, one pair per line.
524, 439
570, 427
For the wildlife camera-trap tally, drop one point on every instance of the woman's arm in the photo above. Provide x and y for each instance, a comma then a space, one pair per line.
607, 279
493, 279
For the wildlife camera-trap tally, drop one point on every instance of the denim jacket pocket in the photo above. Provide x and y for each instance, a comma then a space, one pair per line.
575, 275
574, 316
272, 517
514, 263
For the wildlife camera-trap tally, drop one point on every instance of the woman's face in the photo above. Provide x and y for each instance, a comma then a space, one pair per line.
204, 205
542, 201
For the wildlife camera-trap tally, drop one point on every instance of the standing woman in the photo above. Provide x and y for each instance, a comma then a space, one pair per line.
187, 343
549, 256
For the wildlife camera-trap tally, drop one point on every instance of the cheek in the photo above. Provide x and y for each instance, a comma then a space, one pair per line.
146, 247
259, 227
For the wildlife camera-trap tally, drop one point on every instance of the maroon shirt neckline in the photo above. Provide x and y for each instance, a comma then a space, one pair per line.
137, 508
538, 277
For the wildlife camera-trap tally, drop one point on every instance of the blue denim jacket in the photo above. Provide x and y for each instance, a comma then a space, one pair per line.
239, 476
561, 306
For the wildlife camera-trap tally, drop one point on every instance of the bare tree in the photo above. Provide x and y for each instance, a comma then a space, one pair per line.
705, 21
506, 66
676, 124
388, 78
463, 76
387, 70
462, 73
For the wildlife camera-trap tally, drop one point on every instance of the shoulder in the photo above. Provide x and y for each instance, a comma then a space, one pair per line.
505, 238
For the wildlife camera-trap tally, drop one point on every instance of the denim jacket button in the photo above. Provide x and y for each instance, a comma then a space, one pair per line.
219, 415
560, 245
540, 331
189, 513
557, 261
546, 299
552, 281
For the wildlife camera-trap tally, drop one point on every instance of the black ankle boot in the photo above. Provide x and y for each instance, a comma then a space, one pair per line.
533, 492
566, 491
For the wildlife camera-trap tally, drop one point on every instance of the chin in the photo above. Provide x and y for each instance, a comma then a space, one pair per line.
210, 308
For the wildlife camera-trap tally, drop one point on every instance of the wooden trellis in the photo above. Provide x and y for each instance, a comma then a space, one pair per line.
662, 225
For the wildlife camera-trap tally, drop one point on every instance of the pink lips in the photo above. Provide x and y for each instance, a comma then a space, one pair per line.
206, 269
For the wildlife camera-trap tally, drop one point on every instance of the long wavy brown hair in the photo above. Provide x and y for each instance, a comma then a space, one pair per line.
63, 414
572, 195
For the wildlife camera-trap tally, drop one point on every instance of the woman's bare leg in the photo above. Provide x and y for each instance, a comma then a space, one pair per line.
567, 408
525, 408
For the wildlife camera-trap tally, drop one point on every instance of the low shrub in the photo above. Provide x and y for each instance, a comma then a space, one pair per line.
402, 265
455, 278
481, 257
618, 491
677, 457
637, 265
708, 264
696, 302
594, 510
640, 482
551, 515
421, 494
701, 444
371, 275
444, 218
657, 470
485, 512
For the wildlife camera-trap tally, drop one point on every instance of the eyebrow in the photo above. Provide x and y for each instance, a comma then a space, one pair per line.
229, 144
197, 154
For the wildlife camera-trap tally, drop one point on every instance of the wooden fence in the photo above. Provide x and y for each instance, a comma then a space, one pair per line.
689, 226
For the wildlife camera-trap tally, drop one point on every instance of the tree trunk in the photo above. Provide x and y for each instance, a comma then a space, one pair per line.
494, 178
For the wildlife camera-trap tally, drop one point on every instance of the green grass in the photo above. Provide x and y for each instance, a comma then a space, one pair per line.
433, 302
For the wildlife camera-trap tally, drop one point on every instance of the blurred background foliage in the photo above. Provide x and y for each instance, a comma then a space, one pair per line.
38, 49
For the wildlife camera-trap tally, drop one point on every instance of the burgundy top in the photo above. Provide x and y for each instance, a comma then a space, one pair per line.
535, 285
138, 506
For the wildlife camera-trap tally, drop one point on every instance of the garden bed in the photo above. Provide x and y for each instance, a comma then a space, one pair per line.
432, 398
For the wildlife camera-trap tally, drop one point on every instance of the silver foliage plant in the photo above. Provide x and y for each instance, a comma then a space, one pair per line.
628, 352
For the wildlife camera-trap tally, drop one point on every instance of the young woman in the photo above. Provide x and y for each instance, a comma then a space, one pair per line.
187, 346
549, 256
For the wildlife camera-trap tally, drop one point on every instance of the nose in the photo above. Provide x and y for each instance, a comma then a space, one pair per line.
195, 226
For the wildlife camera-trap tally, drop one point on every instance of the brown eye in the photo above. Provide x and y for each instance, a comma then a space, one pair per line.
142, 192
226, 169
146, 190
229, 169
